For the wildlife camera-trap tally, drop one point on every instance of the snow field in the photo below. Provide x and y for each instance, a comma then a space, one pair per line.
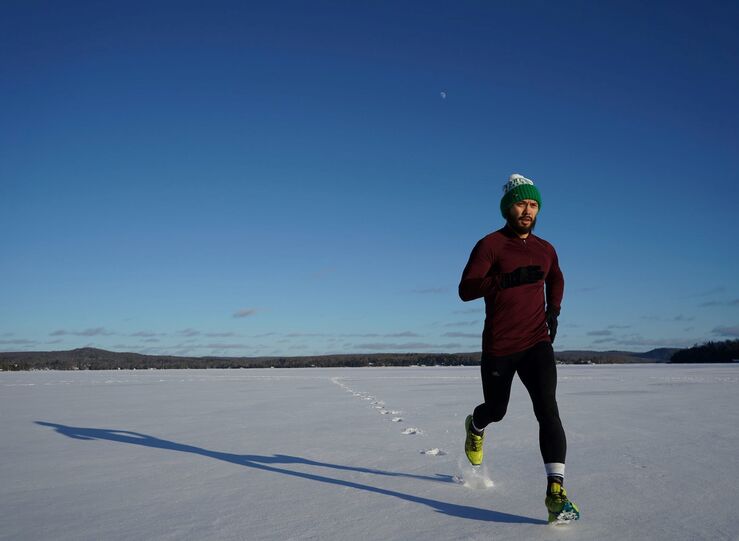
309, 454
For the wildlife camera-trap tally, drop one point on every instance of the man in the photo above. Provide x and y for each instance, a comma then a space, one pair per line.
510, 269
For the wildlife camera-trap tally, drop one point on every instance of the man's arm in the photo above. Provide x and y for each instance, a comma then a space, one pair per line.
476, 280
555, 290
555, 285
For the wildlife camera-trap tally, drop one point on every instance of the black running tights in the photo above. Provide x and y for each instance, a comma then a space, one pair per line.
537, 370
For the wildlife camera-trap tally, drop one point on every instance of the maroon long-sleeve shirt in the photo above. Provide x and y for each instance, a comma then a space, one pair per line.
515, 317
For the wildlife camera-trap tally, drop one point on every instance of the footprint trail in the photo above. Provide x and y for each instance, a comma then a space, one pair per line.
474, 477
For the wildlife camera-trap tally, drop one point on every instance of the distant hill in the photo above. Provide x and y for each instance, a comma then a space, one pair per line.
660, 355
100, 359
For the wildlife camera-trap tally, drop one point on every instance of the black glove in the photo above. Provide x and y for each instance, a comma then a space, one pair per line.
552, 315
521, 276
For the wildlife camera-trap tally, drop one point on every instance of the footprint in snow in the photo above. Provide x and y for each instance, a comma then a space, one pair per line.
433, 452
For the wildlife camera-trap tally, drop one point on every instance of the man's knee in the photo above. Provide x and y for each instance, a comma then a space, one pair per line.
492, 413
547, 412
498, 414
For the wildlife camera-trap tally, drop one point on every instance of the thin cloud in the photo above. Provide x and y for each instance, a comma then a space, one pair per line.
586, 289
220, 334
404, 334
638, 340
224, 346
147, 334
461, 335
468, 311
97, 331
732, 302
431, 291
17, 342
679, 317
708, 293
462, 323
386, 346
245, 312
190, 332
600, 333
191, 348
727, 331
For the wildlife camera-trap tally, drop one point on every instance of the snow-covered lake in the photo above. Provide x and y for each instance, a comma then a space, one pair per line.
362, 453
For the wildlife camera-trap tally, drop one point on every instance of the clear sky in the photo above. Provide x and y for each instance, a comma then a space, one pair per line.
297, 178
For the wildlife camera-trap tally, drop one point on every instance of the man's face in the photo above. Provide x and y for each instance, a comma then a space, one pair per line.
522, 216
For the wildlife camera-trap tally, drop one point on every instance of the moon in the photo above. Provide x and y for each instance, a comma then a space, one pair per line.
443, 94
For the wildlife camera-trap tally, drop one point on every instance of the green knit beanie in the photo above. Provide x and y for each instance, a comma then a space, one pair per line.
516, 189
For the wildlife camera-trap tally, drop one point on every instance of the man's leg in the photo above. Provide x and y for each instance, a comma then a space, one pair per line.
538, 372
497, 377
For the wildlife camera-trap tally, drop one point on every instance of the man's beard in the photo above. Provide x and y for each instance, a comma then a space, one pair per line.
519, 228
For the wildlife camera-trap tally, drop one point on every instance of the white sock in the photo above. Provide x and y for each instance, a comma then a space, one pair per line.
555, 469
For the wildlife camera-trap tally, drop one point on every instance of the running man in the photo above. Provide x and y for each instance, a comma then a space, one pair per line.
510, 268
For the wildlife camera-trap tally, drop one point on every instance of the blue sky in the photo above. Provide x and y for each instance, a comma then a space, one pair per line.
287, 178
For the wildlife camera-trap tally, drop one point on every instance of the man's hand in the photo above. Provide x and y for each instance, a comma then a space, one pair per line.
521, 276
552, 315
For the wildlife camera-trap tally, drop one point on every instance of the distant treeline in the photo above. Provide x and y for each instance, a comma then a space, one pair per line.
99, 359
710, 352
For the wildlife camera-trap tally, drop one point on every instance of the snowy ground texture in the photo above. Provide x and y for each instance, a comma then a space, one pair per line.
363, 453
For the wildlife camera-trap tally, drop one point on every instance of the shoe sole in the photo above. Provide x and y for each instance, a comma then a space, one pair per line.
565, 516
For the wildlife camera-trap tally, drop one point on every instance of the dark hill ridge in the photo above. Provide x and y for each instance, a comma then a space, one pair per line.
660, 355
101, 359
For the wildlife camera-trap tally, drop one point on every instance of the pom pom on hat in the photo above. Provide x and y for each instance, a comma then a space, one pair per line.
516, 189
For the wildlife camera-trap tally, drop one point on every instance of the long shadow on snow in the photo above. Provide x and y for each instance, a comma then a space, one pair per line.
265, 463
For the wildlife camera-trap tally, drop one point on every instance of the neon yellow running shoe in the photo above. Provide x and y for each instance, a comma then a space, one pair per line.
473, 443
561, 510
